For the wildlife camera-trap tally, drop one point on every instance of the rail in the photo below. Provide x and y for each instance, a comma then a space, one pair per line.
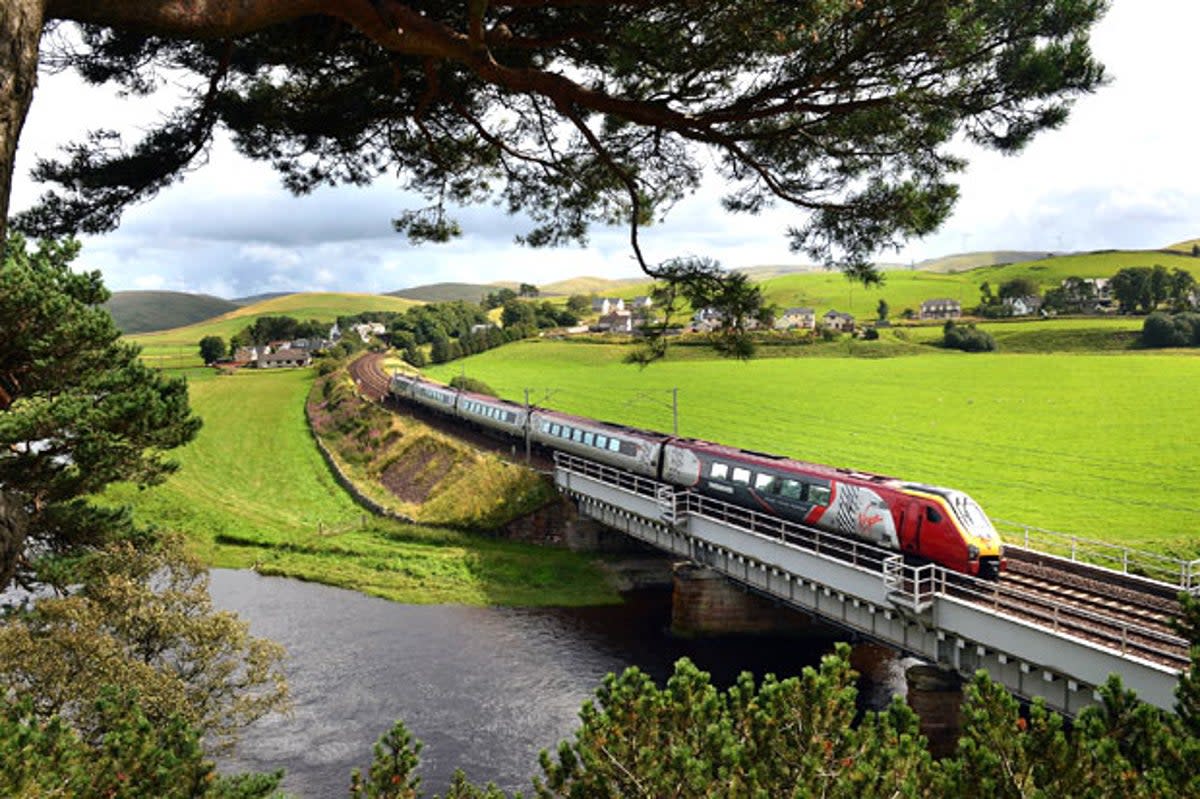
1184, 574
915, 587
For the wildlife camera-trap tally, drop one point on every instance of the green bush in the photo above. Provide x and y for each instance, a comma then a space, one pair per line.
1166, 330
967, 339
471, 384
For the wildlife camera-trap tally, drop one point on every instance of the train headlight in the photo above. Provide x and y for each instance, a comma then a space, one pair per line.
972, 552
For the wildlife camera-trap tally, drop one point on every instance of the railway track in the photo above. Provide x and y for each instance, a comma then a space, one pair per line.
367, 372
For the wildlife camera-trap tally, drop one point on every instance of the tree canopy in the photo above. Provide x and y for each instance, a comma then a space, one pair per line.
78, 410
571, 112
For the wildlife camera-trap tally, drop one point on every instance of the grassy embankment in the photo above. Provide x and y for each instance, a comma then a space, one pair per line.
253, 491
1097, 445
179, 348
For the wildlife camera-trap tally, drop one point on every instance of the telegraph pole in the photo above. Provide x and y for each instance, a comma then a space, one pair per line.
675, 409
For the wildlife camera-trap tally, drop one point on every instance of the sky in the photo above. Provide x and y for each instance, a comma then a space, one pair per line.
1122, 173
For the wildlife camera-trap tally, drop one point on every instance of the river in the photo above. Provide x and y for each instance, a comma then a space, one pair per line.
485, 689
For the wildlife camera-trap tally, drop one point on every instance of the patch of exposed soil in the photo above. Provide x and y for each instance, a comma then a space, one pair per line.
413, 476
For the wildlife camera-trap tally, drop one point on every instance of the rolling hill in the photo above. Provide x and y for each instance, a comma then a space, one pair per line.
145, 311
450, 292
178, 347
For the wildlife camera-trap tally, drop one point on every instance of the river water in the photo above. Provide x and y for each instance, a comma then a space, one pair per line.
485, 689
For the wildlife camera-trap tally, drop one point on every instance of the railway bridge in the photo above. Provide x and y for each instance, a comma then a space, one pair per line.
1051, 627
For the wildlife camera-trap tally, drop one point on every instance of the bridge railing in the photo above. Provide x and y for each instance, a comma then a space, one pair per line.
1123, 634
914, 587
1185, 574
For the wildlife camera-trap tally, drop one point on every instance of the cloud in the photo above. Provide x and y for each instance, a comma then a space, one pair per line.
1117, 175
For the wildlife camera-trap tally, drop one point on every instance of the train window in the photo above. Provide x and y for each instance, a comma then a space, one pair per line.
818, 495
577, 435
614, 445
719, 471
792, 489
741, 475
767, 483
589, 439
932, 515
602, 442
551, 428
628, 448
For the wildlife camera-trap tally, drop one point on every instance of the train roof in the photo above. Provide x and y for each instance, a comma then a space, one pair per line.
786, 463
489, 398
587, 420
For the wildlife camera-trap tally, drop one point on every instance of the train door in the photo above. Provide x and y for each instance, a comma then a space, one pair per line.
911, 521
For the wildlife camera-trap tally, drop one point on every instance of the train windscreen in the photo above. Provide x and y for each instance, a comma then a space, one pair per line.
971, 516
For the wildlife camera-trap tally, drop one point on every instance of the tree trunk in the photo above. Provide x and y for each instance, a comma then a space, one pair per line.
20, 33
13, 524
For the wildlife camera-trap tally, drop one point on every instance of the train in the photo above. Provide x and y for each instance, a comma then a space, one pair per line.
922, 522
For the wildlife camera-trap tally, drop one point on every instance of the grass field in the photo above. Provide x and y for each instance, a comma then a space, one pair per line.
252, 491
178, 348
1104, 446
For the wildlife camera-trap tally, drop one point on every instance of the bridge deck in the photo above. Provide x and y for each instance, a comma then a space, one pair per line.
1032, 641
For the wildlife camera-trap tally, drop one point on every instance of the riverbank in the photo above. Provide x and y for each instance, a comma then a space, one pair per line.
253, 492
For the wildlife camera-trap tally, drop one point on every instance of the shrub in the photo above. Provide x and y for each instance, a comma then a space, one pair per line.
1165, 330
471, 384
967, 339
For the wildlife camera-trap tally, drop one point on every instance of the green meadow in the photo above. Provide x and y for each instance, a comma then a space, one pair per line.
253, 492
1098, 445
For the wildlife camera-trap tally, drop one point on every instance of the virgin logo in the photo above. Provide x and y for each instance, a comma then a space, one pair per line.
868, 520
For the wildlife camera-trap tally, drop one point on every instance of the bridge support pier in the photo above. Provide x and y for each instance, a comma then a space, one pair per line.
935, 694
706, 603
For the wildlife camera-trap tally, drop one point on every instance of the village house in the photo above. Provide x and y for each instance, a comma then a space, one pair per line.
941, 309
1023, 306
284, 358
706, 320
607, 305
642, 304
249, 354
615, 323
367, 329
836, 320
804, 318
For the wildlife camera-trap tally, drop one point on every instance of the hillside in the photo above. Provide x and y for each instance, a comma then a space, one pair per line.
1184, 246
594, 285
973, 260
450, 292
908, 289
253, 298
145, 311
178, 347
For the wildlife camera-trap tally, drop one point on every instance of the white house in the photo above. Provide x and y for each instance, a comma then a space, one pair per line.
941, 309
836, 320
642, 303
804, 318
1023, 306
607, 305
367, 329
616, 323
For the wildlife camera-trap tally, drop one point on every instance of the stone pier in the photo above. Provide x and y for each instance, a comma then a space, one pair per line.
936, 696
706, 603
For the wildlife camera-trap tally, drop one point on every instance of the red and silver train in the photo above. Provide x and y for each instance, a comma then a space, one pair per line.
937, 524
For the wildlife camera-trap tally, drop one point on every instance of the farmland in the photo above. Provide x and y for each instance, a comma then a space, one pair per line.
1097, 445
253, 492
